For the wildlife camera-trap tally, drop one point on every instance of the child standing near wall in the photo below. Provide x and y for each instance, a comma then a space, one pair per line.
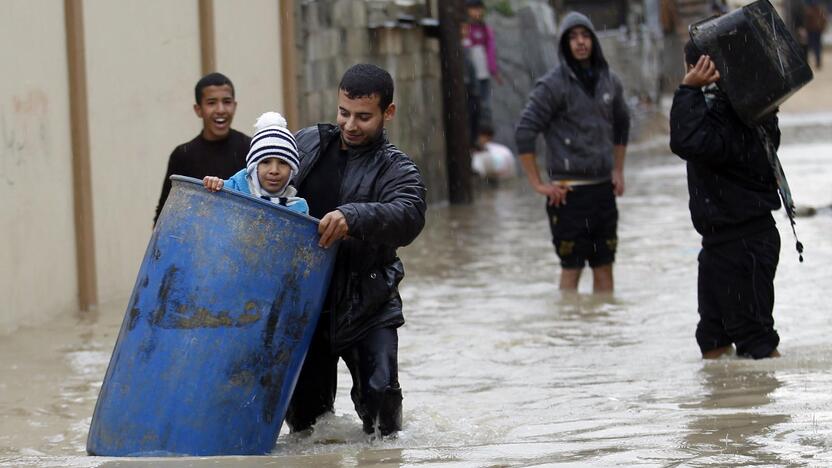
271, 164
483, 53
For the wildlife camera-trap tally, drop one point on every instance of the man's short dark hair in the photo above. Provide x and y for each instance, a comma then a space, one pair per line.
211, 79
365, 80
692, 53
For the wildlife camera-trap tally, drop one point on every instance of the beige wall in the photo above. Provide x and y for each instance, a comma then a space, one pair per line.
248, 52
143, 60
37, 244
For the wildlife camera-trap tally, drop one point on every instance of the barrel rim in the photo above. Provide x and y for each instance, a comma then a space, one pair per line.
274, 206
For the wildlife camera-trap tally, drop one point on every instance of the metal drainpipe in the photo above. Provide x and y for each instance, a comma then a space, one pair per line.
81, 173
289, 58
208, 50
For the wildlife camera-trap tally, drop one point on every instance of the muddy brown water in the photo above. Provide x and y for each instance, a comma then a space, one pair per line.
499, 369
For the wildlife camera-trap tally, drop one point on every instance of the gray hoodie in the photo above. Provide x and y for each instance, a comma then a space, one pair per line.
579, 129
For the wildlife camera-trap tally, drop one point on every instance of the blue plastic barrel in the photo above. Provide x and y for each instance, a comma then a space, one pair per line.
216, 330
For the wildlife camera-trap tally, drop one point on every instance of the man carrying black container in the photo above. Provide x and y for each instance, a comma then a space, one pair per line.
370, 197
733, 191
579, 107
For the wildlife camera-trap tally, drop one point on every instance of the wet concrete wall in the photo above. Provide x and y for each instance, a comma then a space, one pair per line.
37, 246
526, 50
141, 107
335, 34
142, 62
140, 86
252, 60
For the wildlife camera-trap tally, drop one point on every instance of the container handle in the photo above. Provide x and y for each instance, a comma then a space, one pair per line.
696, 24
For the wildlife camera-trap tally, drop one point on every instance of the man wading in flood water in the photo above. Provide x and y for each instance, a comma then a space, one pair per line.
733, 191
579, 107
370, 196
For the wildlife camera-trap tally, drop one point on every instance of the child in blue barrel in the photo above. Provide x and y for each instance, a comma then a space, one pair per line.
271, 164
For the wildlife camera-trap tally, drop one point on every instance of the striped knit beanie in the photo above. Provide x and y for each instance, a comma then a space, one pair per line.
271, 140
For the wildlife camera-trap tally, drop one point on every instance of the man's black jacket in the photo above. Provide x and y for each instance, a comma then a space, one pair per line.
730, 180
382, 197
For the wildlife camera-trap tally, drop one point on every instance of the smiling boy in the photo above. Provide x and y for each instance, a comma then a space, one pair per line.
218, 150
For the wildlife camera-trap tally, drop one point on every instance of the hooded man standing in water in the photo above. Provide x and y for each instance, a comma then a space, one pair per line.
369, 196
579, 107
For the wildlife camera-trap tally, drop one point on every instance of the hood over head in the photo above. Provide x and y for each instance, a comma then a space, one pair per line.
570, 21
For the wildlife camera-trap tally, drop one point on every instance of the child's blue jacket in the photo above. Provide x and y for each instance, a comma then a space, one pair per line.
239, 183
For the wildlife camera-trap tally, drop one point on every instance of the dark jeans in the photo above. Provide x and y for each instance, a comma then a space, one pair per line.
473, 102
485, 112
373, 365
816, 47
736, 294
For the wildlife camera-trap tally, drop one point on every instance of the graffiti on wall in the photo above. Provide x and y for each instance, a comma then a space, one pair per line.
24, 133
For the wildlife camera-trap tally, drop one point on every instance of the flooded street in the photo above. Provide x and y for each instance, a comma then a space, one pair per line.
499, 369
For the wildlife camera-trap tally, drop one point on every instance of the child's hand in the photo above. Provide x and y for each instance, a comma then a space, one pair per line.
213, 184
701, 74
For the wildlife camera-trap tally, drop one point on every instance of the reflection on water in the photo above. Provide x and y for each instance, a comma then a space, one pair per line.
499, 369
731, 422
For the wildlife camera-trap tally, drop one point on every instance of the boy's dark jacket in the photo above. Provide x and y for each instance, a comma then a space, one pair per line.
382, 197
730, 180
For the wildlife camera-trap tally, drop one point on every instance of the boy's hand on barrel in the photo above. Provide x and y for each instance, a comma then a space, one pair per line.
701, 74
213, 184
333, 227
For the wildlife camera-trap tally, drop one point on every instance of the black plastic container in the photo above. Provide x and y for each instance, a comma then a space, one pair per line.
759, 61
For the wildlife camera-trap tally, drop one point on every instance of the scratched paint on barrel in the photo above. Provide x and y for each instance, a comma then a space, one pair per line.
215, 332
